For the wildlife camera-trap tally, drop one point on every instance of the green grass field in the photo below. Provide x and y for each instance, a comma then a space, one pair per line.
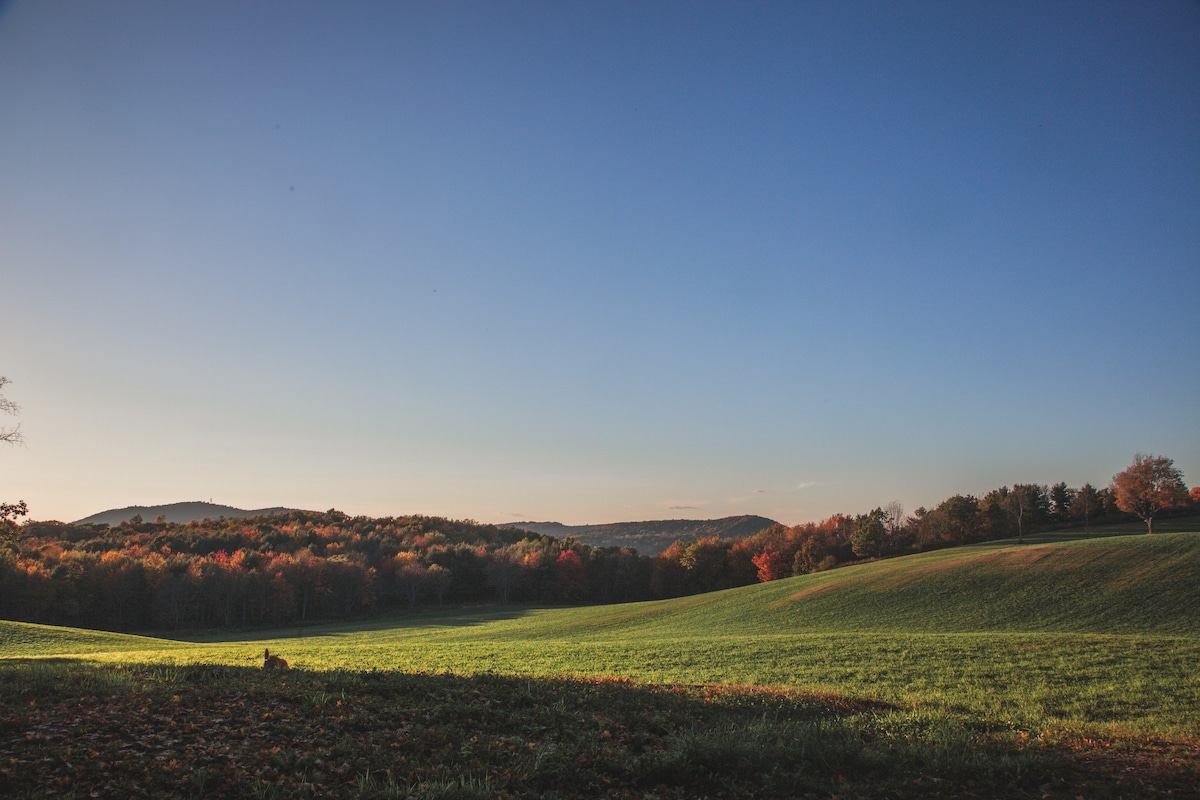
1004, 661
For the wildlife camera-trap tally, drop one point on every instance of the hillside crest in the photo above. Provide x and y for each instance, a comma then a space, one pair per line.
179, 513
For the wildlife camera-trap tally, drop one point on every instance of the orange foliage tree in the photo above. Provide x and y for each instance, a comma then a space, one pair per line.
1149, 486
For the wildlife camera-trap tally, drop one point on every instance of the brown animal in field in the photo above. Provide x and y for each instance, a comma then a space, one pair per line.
273, 662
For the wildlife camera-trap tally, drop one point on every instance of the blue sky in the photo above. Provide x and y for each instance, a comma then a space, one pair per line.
593, 262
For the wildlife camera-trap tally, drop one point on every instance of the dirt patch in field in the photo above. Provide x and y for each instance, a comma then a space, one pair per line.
1017, 557
813, 591
1024, 556
1147, 767
1014, 559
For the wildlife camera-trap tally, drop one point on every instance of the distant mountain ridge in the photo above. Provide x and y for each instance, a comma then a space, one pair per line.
651, 537
176, 512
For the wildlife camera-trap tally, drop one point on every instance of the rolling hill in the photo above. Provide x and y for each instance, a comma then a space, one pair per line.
1121, 585
989, 671
651, 537
1101, 631
175, 512
1116, 585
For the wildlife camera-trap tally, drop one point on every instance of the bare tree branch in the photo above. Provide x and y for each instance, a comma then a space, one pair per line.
11, 435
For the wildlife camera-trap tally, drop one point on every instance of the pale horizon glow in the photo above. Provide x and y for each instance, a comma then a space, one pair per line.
594, 262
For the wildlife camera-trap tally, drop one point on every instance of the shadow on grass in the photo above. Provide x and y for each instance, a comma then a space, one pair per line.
1184, 524
187, 731
1188, 524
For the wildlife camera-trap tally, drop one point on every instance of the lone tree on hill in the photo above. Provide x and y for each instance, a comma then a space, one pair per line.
1149, 485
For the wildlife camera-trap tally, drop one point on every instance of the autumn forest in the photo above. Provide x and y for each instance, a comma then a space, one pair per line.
298, 567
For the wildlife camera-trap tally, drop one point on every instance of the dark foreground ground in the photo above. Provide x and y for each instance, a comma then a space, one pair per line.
68, 730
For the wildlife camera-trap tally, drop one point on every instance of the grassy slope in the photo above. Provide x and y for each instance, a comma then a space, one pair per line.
21, 640
1128, 585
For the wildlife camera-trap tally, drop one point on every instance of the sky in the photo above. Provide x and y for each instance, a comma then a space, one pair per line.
594, 261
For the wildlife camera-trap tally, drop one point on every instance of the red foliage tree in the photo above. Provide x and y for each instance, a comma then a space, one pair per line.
773, 565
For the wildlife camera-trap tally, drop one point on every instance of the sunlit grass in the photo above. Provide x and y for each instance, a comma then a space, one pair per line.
1096, 634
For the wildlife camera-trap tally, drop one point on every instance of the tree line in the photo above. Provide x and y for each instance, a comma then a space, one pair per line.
293, 567
300, 566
